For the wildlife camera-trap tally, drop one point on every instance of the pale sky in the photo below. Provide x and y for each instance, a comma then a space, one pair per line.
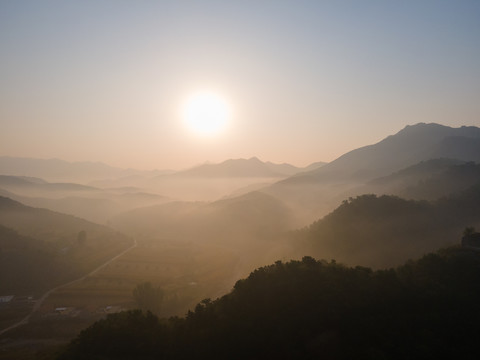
306, 80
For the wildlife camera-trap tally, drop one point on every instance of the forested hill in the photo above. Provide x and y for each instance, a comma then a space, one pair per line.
40, 248
425, 309
29, 266
384, 231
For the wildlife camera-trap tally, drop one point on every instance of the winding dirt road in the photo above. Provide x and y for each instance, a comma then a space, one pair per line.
40, 301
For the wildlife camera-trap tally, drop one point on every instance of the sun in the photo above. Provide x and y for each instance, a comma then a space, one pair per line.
206, 113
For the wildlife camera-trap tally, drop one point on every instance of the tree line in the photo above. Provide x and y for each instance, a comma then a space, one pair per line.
312, 309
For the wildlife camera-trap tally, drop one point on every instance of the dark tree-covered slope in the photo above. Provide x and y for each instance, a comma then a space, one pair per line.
425, 309
40, 248
28, 265
382, 231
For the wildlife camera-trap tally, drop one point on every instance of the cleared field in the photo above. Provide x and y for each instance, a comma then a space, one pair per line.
10, 314
188, 272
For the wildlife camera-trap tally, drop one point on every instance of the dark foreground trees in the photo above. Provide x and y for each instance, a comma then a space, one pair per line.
311, 309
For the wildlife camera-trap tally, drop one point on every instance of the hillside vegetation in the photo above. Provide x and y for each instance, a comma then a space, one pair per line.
28, 265
425, 309
383, 231
40, 248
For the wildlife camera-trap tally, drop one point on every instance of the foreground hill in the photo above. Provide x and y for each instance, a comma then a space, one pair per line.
425, 309
54, 246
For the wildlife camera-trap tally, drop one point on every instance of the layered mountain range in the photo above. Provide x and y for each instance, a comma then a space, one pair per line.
315, 193
421, 162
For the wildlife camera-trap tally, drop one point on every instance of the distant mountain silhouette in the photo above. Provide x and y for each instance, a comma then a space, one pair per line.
206, 182
408, 147
56, 170
94, 204
427, 180
420, 171
316, 192
252, 167
210, 182
458, 147
314, 166
8, 180
32, 183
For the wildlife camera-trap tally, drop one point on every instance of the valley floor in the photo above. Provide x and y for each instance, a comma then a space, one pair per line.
187, 272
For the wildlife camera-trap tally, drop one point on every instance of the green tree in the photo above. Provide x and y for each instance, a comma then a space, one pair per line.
148, 298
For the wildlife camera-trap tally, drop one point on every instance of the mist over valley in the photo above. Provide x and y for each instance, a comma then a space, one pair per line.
239, 180
374, 209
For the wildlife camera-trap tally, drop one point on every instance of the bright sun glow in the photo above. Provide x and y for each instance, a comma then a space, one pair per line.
206, 113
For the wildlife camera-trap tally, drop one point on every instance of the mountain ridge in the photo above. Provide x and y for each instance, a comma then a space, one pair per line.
410, 145
314, 193
252, 167
57, 170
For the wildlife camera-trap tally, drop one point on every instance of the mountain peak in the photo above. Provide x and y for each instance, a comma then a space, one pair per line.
434, 130
412, 144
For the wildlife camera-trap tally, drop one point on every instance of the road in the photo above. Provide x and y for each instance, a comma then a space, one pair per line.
40, 301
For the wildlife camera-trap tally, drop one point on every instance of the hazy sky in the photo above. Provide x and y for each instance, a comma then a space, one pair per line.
306, 80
